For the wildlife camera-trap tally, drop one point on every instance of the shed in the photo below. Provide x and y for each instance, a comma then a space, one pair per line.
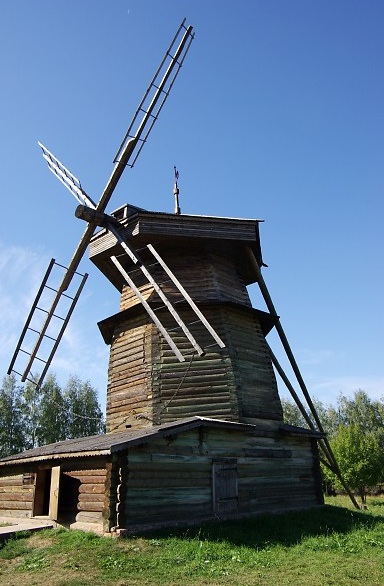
186, 471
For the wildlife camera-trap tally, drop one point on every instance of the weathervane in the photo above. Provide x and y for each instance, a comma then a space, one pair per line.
176, 192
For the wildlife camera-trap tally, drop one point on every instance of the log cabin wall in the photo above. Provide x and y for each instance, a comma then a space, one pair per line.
129, 394
207, 275
17, 493
147, 385
235, 384
84, 498
209, 472
83, 491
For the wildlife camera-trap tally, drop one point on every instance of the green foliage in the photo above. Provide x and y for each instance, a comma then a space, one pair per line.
11, 420
34, 562
360, 457
52, 413
14, 548
291, 413
32, 416
355, 429
84, 416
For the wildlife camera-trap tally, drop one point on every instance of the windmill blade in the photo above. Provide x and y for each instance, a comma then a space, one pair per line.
57, 317
149, 109
135, 137
157, 91
65, 176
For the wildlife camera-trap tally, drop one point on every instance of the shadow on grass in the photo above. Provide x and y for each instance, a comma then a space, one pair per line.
284, 529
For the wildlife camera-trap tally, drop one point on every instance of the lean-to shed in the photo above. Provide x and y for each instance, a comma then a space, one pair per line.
177, 473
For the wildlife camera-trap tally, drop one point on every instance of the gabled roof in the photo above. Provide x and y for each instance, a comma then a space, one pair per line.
109, 443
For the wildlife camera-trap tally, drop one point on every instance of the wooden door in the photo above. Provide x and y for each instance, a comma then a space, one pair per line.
224, 486
54, 493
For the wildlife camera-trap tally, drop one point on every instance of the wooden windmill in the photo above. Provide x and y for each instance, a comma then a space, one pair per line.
186, 341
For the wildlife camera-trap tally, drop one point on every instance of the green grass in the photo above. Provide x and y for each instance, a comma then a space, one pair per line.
335, 545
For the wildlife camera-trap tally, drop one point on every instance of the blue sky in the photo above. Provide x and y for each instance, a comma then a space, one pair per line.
277, 114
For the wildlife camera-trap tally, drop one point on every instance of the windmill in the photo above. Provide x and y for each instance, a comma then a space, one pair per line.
124, 260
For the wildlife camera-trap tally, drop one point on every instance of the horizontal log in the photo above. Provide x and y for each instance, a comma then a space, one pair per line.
15, 505
11, 480
92, 488
84, 471
26, 496
89, 516
132, 402
90, 506
92, 497
25, 490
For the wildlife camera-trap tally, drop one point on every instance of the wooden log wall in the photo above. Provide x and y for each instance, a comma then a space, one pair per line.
206, 275
82, 493
16, 494
129, 393
148, 385
170, 480
255, 378
236, 383
202, 385
89, 480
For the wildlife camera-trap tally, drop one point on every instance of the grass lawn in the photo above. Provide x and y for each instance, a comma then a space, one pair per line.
335, 545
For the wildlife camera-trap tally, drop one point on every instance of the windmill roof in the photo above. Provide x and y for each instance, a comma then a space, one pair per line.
140, 227
106, 444
107, 326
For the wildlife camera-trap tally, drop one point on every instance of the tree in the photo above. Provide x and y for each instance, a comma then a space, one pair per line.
355, 429
53, 418
11, 420
360, 457
293, 416
84, 416
362, 411
291, 413
31, 415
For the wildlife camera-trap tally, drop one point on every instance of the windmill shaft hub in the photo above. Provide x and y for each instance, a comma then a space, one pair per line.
93, 216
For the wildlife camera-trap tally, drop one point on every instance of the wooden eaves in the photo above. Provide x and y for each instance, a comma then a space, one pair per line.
107, 444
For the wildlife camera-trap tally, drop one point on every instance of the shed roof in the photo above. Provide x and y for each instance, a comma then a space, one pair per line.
109, 443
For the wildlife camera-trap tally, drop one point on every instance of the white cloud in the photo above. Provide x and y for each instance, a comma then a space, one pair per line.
328, 389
